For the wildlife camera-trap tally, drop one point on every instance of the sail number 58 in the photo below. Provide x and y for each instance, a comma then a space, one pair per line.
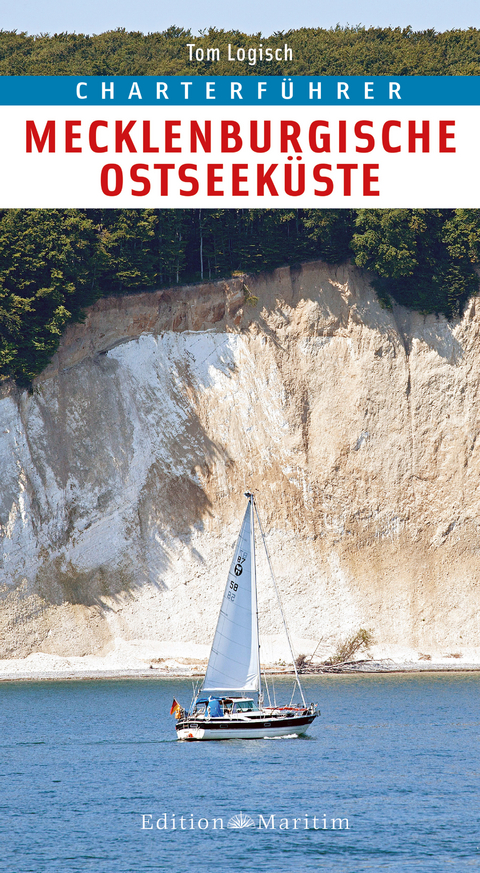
231, 593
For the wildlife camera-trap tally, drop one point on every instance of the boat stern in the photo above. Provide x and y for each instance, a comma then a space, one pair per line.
189, 731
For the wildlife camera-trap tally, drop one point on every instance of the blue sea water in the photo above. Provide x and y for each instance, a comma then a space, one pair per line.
84, 765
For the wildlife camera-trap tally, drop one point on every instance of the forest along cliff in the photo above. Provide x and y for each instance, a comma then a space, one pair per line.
122, 474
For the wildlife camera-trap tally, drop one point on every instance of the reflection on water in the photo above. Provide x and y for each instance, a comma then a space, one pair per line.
85, 764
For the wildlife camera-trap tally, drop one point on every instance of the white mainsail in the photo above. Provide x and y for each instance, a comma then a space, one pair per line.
234, 659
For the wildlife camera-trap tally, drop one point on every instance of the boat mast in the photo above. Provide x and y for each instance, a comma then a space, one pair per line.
254, 583
297, 678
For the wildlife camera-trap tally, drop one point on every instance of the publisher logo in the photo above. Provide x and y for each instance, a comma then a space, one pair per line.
241, 821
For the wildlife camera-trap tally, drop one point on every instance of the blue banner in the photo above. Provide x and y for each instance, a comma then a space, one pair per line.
242, 90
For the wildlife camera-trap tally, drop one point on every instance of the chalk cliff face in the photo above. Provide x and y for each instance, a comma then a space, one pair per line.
122, 475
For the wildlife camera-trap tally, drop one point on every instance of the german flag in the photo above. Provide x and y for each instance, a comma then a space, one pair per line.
176, 708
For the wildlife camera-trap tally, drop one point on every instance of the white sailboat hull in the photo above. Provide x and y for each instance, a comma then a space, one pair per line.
245, 729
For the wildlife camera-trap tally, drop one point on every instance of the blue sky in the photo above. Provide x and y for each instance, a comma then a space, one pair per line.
250, 16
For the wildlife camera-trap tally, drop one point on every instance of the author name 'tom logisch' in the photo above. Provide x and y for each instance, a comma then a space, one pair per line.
250, 55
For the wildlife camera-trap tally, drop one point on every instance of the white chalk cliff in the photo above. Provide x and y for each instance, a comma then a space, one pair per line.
122, 474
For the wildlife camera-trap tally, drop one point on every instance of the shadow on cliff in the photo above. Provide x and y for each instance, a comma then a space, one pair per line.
141, 462
341, 295
169, 513
434, 331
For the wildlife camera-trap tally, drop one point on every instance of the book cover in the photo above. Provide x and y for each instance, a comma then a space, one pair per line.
232, 263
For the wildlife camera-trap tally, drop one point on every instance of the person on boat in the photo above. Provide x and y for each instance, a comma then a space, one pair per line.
215, 708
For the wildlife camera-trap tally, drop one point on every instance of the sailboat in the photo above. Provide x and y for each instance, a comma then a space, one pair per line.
230, 704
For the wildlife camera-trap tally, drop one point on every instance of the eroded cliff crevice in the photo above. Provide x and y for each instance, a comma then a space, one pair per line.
123, 473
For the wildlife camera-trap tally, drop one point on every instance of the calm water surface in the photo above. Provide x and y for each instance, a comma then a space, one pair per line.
81, 763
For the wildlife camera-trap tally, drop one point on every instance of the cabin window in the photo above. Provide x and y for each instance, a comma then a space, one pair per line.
243, 706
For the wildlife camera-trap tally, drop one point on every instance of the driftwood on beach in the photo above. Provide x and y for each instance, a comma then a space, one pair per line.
342, 667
